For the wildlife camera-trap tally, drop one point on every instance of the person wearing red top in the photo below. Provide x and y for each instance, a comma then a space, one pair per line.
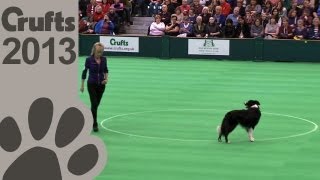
105, 6
91, 9
185, 7
226, 8
98, 14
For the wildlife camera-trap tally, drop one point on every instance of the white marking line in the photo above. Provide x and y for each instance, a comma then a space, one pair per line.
203, 140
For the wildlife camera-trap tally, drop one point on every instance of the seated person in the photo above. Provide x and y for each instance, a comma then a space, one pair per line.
314, 31
242, 29
154, 7
300, 32
113, 16
285, 31
272, 30
229, 30
186, 28
212, 28
104, 26
199, 28
98, 14
172, 29
119, 9
257, 30
157, 27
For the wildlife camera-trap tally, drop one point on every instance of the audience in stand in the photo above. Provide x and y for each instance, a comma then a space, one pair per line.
269, 19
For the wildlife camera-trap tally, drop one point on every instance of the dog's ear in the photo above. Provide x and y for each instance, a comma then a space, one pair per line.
250, 103
247, 104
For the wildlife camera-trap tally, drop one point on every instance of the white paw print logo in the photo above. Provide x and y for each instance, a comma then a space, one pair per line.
55, 160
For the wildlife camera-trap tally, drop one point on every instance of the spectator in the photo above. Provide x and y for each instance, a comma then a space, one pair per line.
307, 6
307, 18
275, 14
197, 7
104, 26
82, 4
219, 17
242, 29
242, 10
316, 12
91, 9
114, 18
170, 7
300, 32
175, 4
165, 15
292, 18
199, 28
99, 2
226, 8
267, 8
98, 14
254, 8
154, 7
272, 29
285, 31
202, 3
248, 18
264, 20
157, 27
205, 15
186, 28
212, 6
234, 17
140, 8
172, 29
105, 6
294, 5
85, 27
212, 29
128, 11
185, 7
118, 8
314, 31
281, 9
229, 30
257, 29
192, 16
179, 15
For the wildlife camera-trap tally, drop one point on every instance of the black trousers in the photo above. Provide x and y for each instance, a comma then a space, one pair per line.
96, 92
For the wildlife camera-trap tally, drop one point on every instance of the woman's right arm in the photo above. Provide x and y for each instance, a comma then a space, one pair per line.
84, 74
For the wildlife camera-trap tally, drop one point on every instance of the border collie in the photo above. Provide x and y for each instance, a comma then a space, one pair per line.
247, 118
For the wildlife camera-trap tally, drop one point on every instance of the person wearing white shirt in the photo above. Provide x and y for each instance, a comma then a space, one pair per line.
157, 28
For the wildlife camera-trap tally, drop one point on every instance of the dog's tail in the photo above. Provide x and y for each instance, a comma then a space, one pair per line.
218, 129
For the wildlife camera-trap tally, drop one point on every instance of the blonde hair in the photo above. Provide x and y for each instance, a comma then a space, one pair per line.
94, 47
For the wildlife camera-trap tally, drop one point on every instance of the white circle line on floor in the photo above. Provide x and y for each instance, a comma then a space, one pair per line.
315, 126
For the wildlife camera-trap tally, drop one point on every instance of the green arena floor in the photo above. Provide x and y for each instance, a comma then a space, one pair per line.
160, 117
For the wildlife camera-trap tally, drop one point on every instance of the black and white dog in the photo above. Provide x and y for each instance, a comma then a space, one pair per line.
248, 118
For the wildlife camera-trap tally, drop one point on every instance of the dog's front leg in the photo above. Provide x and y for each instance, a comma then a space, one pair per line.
250, 133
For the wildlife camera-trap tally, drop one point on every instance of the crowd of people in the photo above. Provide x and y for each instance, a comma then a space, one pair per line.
103, 16
270, 19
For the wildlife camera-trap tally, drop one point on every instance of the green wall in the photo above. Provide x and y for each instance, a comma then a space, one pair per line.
240, 49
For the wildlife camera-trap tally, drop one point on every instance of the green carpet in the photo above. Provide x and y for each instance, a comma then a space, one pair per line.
166, 113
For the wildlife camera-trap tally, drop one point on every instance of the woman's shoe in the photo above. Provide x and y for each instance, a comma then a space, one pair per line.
95, 129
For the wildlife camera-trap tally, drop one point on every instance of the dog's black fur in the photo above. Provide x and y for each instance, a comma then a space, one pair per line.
247, 118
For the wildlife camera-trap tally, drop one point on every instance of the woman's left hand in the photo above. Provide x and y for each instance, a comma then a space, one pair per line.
104, 81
